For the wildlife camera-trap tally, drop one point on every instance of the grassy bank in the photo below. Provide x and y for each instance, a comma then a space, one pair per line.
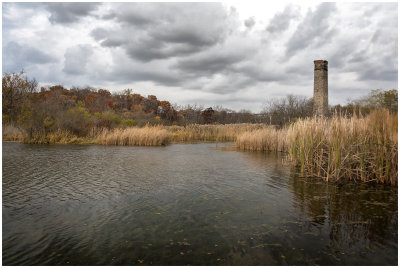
356, 148
359, 148
146, 136
12, 133
221, 133
265, 139
163, 135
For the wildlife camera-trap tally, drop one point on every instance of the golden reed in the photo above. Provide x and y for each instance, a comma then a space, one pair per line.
360, 148
219, 133
163, 135
147, 136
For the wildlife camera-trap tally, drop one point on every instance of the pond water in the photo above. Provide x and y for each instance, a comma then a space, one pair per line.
197, 204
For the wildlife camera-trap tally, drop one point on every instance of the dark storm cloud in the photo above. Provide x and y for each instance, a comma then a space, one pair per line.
154, 51
377, 36
190, 36
314, 28
113, 42
23, 5
204, 48
258, 74
250, 22
136, 75
108, 38
358, 56
281, 21
378, 74
16, 57
300, 69
76, 59
177, 29
137, 13
69, 12
382, 69
99, 34
209, 64
342, 55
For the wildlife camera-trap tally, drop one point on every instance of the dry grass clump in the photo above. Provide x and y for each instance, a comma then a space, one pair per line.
162, 135
12, 133
221, 133
266, 139
147, 136
56, 137
362, 148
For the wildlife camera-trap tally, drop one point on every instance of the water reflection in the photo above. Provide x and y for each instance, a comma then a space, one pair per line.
360, 219
197, 204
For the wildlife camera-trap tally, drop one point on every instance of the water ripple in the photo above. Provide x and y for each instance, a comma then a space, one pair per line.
183, 204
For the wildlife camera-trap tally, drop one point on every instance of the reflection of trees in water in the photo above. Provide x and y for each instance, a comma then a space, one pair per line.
272, 161
354, 213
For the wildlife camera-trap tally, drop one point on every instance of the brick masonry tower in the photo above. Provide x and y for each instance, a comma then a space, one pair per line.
321, 87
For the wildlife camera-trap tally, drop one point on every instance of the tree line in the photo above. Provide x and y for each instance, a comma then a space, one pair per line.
78, 110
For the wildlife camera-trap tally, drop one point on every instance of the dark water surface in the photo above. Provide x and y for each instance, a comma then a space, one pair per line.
192, 204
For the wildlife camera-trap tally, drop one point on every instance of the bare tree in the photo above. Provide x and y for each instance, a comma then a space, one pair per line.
285, 110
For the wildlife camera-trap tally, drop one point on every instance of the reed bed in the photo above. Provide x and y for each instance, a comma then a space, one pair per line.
163, 135
220, 133
266, 139
147, 136
359, 148
12, 133
56, 137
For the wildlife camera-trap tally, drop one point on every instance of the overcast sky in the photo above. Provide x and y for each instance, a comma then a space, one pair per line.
234, 55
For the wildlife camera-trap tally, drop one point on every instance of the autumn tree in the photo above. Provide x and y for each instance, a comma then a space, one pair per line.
150, 104
77, 120
379, 98
26, 118
166, 111
376, 99
15, 88
208, 115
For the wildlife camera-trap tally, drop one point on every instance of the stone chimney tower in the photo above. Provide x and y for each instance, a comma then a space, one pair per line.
321, 87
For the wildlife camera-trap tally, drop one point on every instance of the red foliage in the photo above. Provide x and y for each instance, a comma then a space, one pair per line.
90, 99
107, 103
104, 93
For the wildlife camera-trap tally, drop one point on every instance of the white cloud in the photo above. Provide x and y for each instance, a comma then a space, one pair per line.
233, 54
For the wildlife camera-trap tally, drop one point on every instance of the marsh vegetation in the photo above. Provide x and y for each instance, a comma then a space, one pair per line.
357, 141
360, 147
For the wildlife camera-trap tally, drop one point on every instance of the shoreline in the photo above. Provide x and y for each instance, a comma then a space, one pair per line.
363, 148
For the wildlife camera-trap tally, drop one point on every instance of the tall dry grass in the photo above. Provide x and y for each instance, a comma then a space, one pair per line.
219, 133
162, 135
147, 136
359, 148
56, 137
12, 133
265, 139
